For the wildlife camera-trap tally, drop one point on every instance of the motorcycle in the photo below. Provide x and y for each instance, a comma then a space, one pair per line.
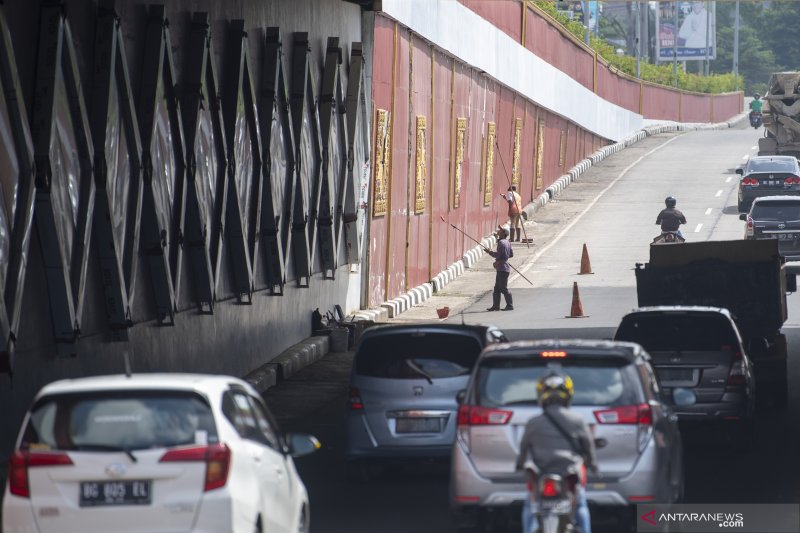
553, 500
668, 237
756, 119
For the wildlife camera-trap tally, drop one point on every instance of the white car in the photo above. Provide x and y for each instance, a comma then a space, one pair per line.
154, 452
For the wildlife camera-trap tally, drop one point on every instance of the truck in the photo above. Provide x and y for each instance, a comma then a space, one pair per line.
749, 278
781, 114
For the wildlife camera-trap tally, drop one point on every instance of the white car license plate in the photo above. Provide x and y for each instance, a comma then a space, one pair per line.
99, 493
676, 377
785, 236
419, 425
556, 506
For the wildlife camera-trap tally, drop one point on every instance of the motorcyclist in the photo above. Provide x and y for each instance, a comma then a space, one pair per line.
670, 218
755, 110
557, 441
756, 104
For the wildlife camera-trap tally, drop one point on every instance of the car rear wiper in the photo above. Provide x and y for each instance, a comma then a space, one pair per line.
522, 402
418, 369
107, 448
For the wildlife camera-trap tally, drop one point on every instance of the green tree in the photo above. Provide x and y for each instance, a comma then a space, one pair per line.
777, 27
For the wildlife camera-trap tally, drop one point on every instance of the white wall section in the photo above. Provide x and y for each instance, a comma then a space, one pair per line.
475, 41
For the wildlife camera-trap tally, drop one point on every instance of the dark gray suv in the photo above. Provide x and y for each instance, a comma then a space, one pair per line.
775, 217
698, 348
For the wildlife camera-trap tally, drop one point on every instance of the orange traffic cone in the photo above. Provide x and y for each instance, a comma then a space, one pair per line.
586, 266
577, 307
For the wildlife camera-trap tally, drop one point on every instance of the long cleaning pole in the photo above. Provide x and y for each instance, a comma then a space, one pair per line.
480, 244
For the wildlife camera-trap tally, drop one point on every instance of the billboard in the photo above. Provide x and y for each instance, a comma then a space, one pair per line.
696, 30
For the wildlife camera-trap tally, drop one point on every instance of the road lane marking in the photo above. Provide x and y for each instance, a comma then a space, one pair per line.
745, 156
728, 180
708, 211
575, 220
697, 229
719, 193
754, 147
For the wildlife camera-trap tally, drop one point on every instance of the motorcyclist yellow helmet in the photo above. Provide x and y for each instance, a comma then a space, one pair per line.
554, 388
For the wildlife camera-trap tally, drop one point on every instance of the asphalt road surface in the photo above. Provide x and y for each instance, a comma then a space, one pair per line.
617, 226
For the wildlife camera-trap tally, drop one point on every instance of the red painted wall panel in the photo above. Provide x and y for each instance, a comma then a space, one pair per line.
399, 183
440, 176
695, 108
505, 15
621, 91
660, 103
419, 224
547, 42
526, 155
381, 99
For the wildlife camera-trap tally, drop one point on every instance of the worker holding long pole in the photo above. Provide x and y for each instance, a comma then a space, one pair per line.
502, 270
517, 197
514, 213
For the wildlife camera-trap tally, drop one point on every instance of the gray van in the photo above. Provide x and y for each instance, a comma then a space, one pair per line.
403, 389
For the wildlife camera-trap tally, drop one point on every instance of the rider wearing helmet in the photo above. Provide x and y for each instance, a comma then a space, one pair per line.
756, 103
557, 441
670, 218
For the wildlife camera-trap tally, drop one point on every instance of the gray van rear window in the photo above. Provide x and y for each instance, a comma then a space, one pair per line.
131, 421
667, 332
513, 382
407, 356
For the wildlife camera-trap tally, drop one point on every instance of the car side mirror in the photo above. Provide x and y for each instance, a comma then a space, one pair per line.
683, 397
460, 396
742, 216
300, 444
740, 171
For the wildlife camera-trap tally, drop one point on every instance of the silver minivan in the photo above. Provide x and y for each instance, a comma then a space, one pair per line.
403, 389
639, 453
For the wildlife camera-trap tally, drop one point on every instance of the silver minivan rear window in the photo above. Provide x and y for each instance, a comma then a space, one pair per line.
105, 421
513, 382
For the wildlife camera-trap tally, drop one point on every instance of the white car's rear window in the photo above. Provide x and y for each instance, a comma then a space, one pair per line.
119, 421
513, 382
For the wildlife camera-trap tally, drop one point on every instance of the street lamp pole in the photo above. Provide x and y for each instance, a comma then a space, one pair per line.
675, 43
586, 21
708, 38
736, 44
638, 38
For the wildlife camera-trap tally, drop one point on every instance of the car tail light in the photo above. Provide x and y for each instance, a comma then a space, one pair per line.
472, 415
627, 414
21, 461
217, 458
355, 402
551, 487
640, 415
749, 230
792, 180
753, 182
736, 377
